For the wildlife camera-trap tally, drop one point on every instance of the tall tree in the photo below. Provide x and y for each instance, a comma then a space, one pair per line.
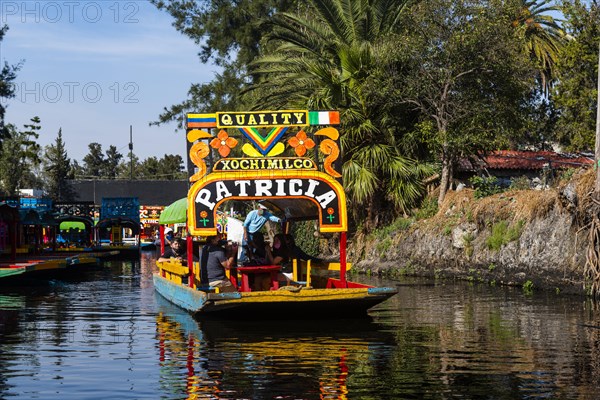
58, 170
11, 162
324, 58
30, 153
170, 167
19, 158
93, 162
7, 91
229, 35
542, 36
124, 168
150, 168
31, 134
575, 94
458, 64
111, 162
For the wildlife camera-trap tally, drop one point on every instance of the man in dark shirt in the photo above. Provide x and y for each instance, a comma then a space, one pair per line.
177, 251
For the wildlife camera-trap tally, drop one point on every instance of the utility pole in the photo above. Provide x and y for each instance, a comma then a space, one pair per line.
131, 152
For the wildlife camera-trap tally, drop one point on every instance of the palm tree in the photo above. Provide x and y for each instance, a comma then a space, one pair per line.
322, 60
542, 36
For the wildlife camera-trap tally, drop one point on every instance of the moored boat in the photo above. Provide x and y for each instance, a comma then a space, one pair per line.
295, 187
45, 268
119, 227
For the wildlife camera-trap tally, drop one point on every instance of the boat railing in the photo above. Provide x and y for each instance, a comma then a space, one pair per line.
301, 272
174, 271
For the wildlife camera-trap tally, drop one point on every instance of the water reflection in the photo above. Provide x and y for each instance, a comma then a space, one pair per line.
245, 359
495, 342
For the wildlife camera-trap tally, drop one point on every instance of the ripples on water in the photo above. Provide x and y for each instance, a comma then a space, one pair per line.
110, 336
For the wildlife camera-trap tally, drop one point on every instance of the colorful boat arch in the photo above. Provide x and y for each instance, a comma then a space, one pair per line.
322, 190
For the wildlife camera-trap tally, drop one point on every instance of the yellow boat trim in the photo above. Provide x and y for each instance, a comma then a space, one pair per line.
303, 295
173, 268
50, 264
86, 260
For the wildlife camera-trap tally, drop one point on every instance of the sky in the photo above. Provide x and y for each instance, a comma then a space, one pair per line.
95, 68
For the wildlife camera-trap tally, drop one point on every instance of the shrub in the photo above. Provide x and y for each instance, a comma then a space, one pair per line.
304, 235
520, 183
566, 174
485, 186
496, 239
514, 232
429, 207
384, 246
503, 234
399, 224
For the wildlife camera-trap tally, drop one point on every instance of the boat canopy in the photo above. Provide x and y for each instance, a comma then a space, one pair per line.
75, 219
175, 213
66, 225
120, 221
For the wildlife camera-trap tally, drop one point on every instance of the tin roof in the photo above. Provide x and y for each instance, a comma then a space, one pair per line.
531, 160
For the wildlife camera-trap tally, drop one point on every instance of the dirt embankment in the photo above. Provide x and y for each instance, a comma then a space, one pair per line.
528, 238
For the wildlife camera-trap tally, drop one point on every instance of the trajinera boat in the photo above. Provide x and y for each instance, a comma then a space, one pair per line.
275, 169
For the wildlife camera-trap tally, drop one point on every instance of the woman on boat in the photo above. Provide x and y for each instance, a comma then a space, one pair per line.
260, 250
280, 253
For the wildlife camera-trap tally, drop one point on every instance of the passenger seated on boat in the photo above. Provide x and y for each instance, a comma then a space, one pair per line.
217, 260
176, 250
280, 255
260, 253
168, 236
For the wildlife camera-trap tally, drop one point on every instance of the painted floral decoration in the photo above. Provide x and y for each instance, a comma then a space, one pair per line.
223, 143
301, 143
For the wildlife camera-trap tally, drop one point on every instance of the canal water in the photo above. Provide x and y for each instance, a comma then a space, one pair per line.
110, 336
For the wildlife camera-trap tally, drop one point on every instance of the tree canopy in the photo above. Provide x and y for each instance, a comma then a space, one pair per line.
575, 94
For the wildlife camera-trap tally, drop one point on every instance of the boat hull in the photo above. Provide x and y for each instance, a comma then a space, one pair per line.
276, 304
182, 296
40, 272
119, 252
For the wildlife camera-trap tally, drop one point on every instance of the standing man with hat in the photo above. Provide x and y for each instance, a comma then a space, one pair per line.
255, 220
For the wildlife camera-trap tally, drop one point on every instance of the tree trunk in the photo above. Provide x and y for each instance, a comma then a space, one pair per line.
597, 153
592, 264
445, 179
371, 222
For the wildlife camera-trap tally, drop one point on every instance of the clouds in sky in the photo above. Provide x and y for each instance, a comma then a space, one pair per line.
96, 67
